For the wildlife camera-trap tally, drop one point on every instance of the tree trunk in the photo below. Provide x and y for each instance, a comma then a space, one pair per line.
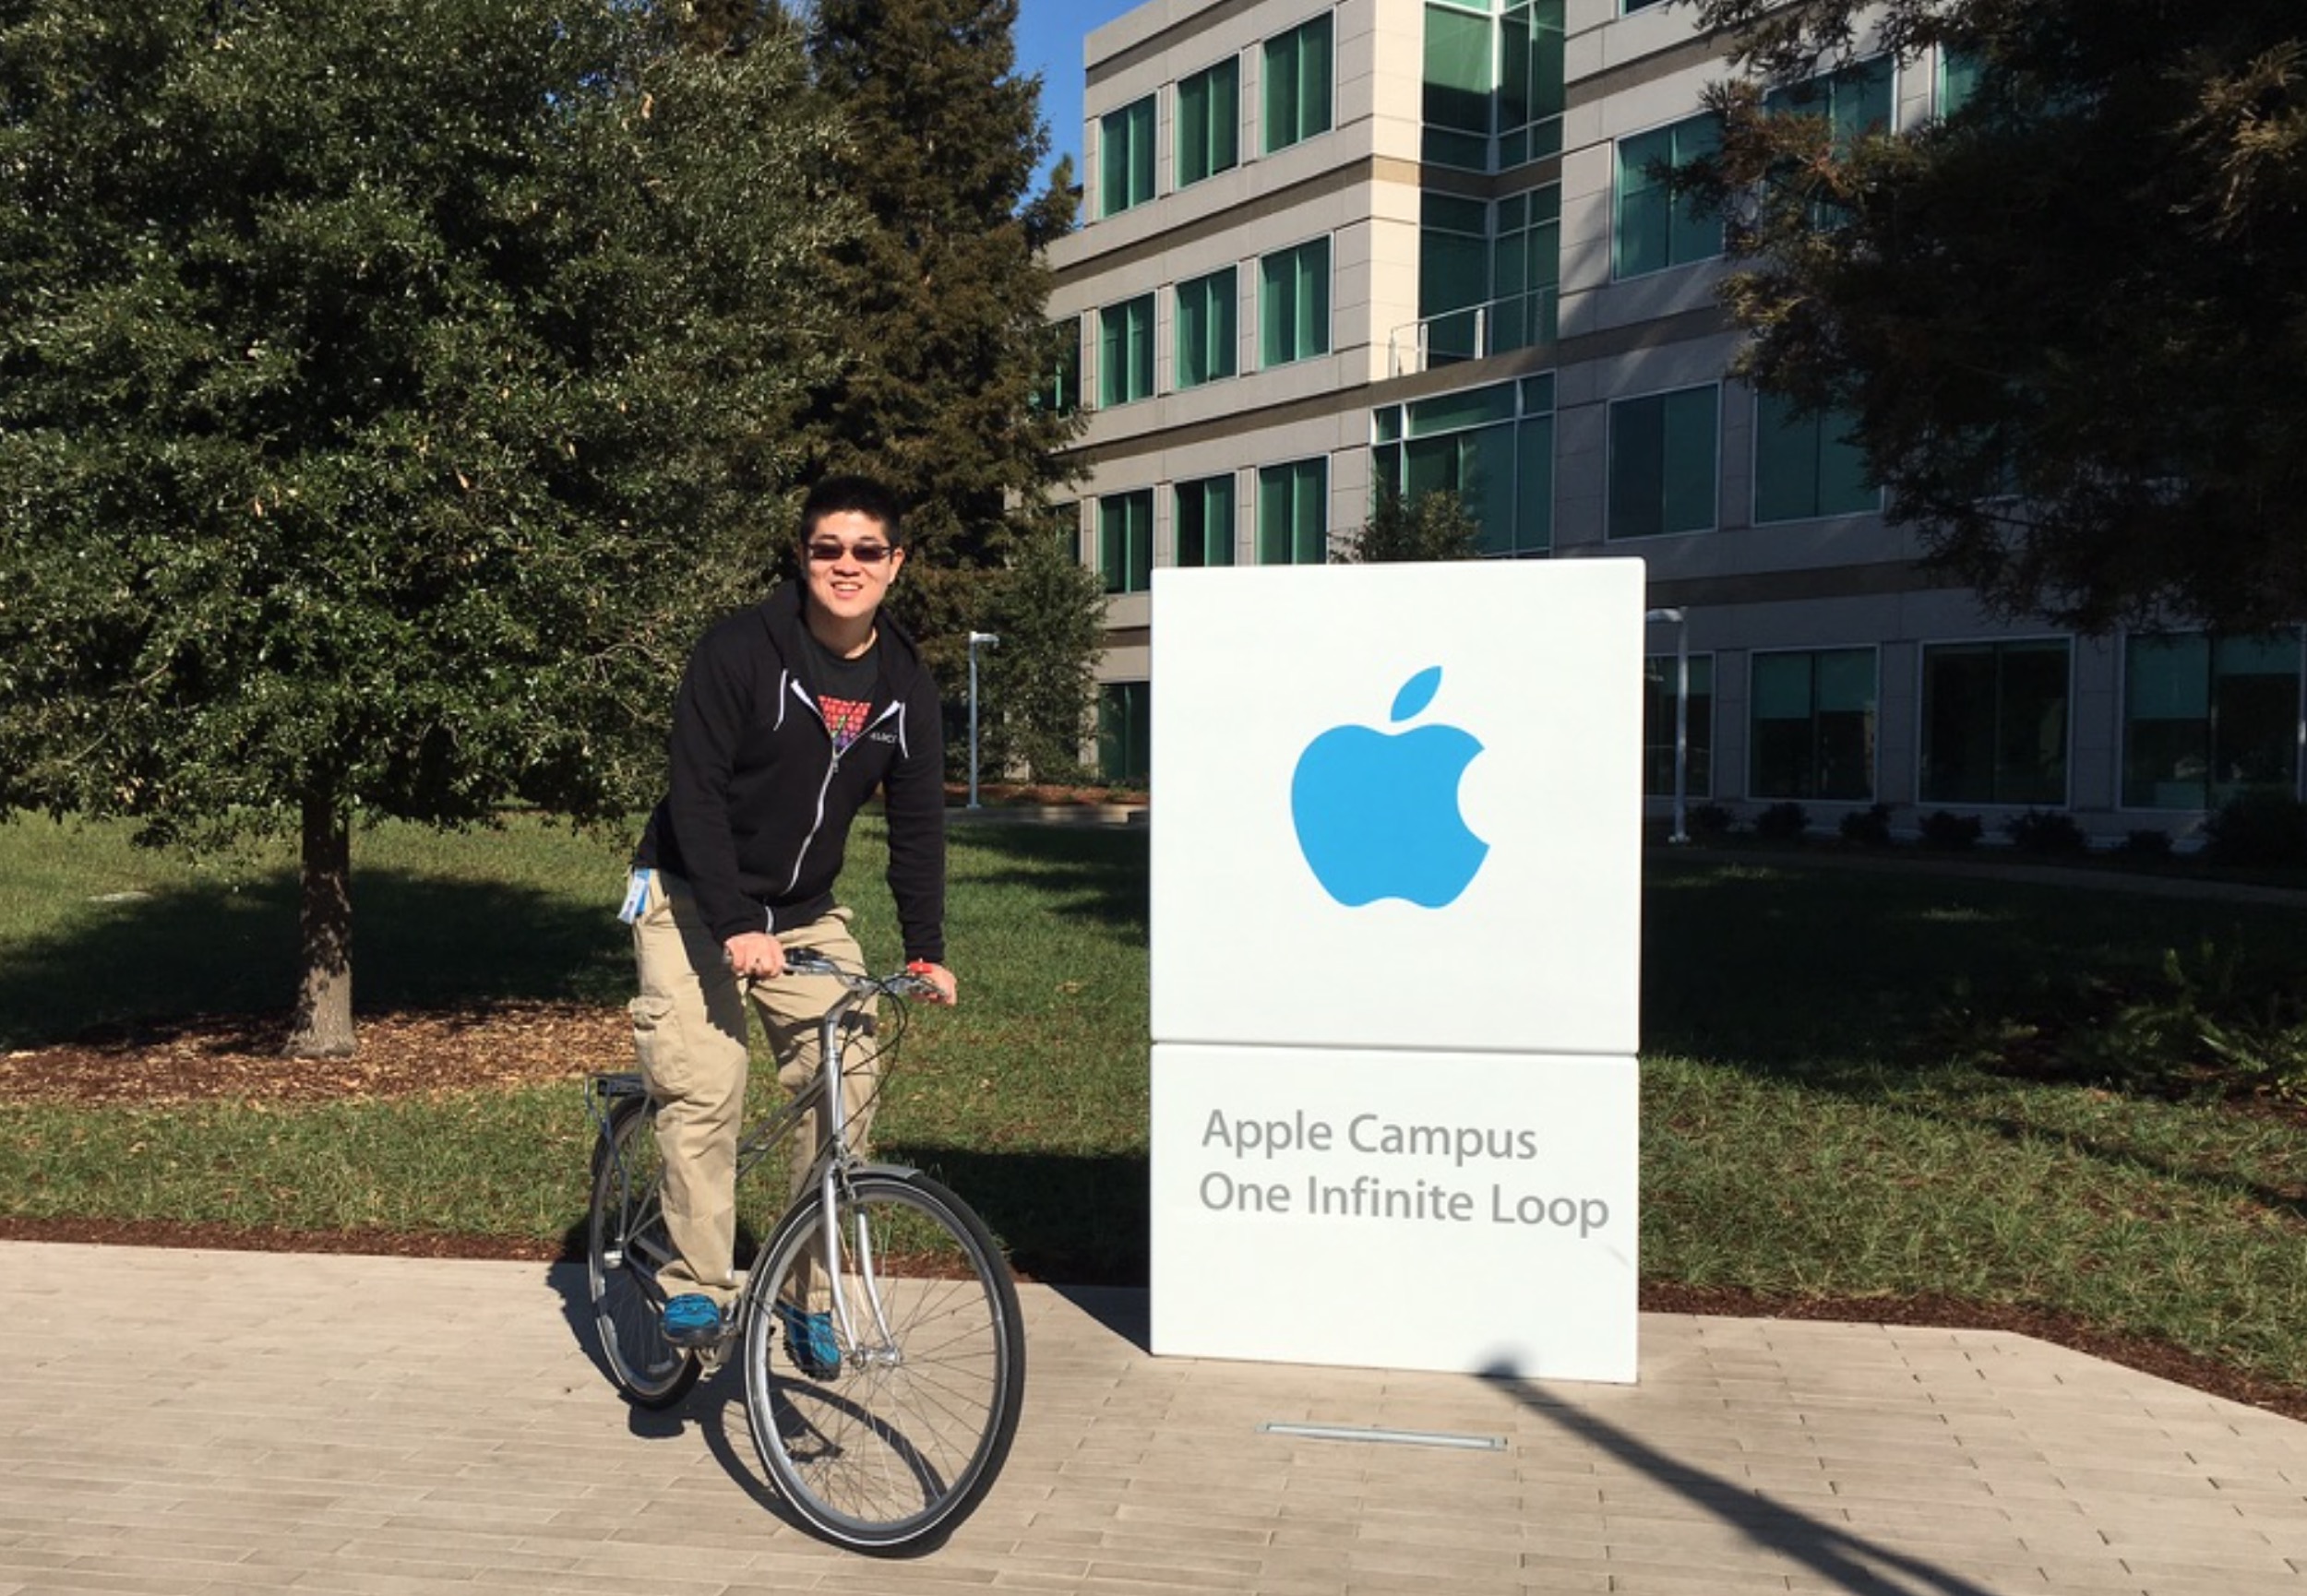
322, 1026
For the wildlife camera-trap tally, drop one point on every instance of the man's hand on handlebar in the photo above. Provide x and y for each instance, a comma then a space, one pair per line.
940, 979
755, 955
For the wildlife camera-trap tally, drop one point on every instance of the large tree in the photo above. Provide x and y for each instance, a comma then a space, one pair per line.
945, 298
2066, 319
386, 391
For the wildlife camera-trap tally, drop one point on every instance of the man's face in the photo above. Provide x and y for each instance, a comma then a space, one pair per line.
849, 561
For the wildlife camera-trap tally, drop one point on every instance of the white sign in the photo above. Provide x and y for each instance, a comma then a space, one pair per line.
1396, 861
1399, 805
1412, 1210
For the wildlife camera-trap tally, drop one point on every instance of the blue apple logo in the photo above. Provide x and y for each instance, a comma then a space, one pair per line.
1377, 811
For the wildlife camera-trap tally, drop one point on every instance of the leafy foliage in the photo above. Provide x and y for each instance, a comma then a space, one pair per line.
947, 350
1433, 526
2066, 318
1048, 610
2258, 828
386, 396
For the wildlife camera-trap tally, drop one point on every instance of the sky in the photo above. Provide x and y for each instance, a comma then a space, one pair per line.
1050, 35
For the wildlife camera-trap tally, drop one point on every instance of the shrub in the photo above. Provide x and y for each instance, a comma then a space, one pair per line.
2150, 843
1711, 820
2047, 831
2258, 829
1950, 832
1782, 822
1871, 826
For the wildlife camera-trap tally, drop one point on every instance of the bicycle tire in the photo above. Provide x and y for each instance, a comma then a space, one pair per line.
903, 1443
624, 1234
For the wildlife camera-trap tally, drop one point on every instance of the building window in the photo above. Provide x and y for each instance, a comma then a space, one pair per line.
1124, 352
1661, 463
1206, 340
1125, 541
1994, 722
1459, 77
1530, 82
1126, 157
1292, 518
1855, 102
1654, 229
1813, 725
1525, 268
1060, 389
1298, 84
2205, 718
1630, 7
1661, 675
1492, 446
1493, 85
1960, 71
1294, 304
1205, 522
1125, 723
1806, 466
1208, 122
1488, 274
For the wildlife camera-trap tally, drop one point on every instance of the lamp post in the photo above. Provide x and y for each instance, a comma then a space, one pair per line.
1681, 714
977, 640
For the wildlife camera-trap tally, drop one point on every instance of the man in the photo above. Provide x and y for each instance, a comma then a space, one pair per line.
790, 715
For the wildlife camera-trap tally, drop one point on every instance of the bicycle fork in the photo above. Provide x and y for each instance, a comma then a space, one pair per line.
881, 1351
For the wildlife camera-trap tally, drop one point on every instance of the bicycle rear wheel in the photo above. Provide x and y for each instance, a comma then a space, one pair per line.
903, 1440
625, 1244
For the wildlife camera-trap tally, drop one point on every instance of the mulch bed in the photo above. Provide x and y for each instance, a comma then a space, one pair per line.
237, 1056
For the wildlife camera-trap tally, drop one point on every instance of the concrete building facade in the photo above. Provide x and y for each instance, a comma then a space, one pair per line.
1420, 242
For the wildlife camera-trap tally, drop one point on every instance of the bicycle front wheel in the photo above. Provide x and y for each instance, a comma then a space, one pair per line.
625, 1245
898, 1438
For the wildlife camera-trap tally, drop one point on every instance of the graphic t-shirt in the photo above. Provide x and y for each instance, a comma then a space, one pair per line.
844, 688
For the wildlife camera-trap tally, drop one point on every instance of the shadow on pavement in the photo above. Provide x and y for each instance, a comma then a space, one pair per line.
1847, 1562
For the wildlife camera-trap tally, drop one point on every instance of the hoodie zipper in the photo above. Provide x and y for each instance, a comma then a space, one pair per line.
832, 768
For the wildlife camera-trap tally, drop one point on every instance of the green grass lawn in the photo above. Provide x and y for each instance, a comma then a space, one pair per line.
1805, 1133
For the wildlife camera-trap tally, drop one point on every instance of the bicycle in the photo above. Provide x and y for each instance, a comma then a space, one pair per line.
901, 1438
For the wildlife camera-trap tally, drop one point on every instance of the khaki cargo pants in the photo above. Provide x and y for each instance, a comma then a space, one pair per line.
690, 1033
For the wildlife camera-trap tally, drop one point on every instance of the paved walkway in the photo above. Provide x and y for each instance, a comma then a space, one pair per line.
187, 1423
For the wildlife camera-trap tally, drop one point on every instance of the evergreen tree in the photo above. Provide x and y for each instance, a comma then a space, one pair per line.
387, 394
2066, 319
944, 296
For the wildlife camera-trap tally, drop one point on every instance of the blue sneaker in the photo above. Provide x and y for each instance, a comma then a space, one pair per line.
809, 1339
692, 1320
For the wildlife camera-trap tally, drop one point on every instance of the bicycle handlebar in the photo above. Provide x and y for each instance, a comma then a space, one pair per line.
905, 984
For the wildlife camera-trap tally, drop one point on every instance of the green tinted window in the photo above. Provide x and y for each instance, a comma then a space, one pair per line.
1124, 352
1805, 467
1661, 681
1294, 304
1125, 722
2204, 720
1126, 157
1661, 463
1653, 229
1459, 78
1205, 522
1298, 84
1293, 514
1813, 725
1208, 122
1994, 723
1125, 541
1206, 340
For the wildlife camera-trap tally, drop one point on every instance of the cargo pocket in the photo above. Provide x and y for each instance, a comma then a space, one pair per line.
657, 1043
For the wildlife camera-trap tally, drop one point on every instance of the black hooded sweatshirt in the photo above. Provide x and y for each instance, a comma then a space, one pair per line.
757, 814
